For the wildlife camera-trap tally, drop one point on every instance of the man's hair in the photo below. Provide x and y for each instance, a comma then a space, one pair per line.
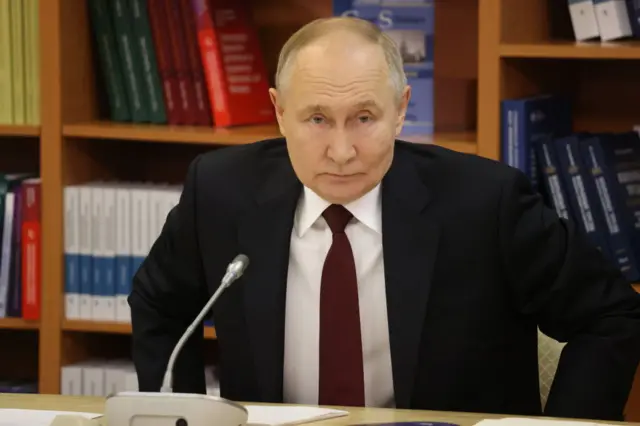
324, 26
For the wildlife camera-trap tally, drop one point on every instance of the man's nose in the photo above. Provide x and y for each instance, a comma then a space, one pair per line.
341, 149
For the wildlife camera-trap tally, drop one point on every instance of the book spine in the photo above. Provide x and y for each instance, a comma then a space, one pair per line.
123, 253
32, 61
181, 61
18, 61
158, 20
613, 19
97, 244
211, 63
31, 249
110, 66
151, 77
108, 230
130, 60
72, 251
633, 10
140, 226
86, 255
203, 116
513, 134
551, 179
583, 20
6, 77
14, 308
618, 234
233, 65
5, 252
581, 200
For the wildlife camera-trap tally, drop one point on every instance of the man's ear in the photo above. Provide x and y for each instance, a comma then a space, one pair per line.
402, 108
277, 105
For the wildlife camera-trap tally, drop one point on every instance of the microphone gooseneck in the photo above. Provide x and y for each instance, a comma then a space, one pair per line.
234, 271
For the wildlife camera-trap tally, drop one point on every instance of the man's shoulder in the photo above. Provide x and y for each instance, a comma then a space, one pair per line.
465, 168
241, 160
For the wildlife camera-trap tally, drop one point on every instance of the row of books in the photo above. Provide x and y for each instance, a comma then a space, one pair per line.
181, 62
593, 179
109, 229
19, 62
605, 20
20, 243
98, 377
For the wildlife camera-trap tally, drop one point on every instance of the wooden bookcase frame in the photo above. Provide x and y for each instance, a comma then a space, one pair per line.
484, 51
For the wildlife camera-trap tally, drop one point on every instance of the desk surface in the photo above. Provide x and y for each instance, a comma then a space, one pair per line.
356, 415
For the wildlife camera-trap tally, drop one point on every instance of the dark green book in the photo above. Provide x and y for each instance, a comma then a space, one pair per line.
109, 60
151, 75
130, 60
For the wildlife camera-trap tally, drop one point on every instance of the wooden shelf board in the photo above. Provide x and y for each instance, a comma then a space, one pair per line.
113, 327
572, 50
19, 130
459, 141
171, 134
18, 324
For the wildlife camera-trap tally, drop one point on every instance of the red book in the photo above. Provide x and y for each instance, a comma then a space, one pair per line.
31, 249
234, 68
203, 116
158, 21
181, 62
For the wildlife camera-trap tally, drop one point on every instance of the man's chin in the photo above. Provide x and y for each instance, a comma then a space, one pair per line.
341, 193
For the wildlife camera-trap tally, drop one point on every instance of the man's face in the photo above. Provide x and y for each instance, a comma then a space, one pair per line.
340, 116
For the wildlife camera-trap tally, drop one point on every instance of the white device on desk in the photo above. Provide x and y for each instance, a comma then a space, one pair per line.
166, 408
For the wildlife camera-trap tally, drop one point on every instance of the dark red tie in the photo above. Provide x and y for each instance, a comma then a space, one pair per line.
341, 370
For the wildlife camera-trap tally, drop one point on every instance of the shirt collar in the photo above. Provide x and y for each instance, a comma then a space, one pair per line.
365, 209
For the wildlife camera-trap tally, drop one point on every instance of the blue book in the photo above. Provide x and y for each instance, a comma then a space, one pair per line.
614, 163
582, 194
633, 9
552, 186
411, 24
526, 122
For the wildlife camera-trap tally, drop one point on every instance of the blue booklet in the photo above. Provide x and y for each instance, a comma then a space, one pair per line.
411, 24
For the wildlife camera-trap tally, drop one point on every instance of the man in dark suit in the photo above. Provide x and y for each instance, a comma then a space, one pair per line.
382, 273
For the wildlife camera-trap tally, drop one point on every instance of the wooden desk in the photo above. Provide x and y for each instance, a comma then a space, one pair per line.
357, 415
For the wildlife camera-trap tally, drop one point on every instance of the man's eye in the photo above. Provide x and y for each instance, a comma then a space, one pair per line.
364, 118
317, 120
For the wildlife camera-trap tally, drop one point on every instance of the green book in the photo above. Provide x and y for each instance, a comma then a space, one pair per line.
32, 61
130, 60
18, 61
6, 79
109, 60
151, 75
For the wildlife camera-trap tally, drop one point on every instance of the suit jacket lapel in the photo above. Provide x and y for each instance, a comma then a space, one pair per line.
264, 236
410, 240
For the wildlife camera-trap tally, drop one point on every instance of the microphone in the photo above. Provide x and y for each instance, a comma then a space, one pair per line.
180, 409
234, 271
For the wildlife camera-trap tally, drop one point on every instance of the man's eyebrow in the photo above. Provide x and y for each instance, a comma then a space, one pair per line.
310, 109
368, 104
320, 108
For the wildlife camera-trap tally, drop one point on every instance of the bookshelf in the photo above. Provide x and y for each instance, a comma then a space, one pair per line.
507, 48
18, 131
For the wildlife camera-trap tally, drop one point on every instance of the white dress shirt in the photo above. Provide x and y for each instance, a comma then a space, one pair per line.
310, 242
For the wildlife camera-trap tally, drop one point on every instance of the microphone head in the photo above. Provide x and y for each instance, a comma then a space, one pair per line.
238, 265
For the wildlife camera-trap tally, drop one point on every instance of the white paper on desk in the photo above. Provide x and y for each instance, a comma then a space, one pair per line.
278, 415
516, 421
15, 417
